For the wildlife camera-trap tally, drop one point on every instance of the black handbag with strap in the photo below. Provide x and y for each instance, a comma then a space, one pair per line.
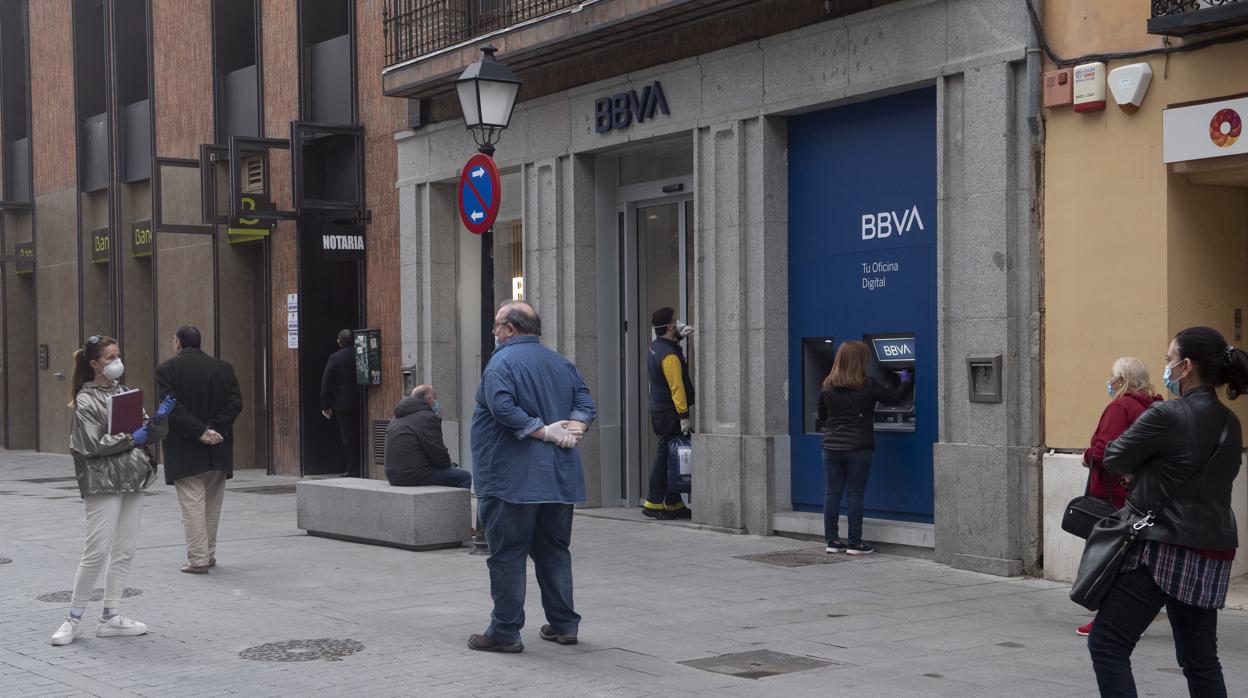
1113, 537
1082, 514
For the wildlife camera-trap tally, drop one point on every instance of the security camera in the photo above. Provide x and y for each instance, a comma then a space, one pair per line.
1129, 84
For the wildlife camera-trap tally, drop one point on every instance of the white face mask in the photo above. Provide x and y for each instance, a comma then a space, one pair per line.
114, 369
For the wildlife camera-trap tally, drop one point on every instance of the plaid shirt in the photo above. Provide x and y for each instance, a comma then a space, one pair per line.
1183, 573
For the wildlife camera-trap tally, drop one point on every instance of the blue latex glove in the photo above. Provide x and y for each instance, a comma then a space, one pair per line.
139, 436
907, 376
166, 407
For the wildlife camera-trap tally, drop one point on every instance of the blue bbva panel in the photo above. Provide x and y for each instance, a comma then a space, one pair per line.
862, 261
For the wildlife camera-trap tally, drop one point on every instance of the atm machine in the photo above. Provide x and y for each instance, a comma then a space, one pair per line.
891, 354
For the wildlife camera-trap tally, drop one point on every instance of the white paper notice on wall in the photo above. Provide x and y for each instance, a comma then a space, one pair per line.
292, 320
1210, 130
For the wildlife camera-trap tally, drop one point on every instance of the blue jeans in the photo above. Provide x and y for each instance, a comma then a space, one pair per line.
844, 470
1130, 606
514, 532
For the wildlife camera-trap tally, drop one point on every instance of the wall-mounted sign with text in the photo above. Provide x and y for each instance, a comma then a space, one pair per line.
101, 246
25, 249
621, 109
141, 239
342, 243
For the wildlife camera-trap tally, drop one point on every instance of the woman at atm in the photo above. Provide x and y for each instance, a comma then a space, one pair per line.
846, 418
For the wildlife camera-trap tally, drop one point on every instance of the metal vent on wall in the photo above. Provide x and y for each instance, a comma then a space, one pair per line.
253, 175
377, 431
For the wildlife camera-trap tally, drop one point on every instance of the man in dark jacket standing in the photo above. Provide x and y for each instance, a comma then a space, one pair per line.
199, 451
671, 396
340, 400
416, 455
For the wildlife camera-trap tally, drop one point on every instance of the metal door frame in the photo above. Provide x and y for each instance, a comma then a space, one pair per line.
635, 465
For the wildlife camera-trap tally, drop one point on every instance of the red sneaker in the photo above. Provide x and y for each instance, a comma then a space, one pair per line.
1085, 630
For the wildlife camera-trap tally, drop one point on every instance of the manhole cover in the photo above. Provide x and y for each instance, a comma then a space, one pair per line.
757, 664
266, 489
303, 650
43, 480
97, 595
795, 558
5, 561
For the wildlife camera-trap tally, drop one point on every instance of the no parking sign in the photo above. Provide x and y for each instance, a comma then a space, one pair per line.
479, 193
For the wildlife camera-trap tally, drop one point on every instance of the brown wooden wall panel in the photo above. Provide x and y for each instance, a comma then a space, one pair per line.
52, 95
280, 73
381, 116
182, 56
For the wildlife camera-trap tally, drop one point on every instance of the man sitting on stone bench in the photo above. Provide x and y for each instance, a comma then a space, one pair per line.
415, 452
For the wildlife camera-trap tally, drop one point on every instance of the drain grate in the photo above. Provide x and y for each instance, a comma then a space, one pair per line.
757, 664
802, 557
303, 650
73, 488
45, 480
266, 489
5, 561
97, 595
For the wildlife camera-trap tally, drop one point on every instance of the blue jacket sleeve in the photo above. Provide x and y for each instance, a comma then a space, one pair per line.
583, 409
500, 399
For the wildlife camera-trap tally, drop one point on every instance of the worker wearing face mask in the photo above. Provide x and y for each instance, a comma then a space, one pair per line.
671, 396
415, 452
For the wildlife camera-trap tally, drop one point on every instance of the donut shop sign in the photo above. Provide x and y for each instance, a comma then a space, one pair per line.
1208, 130
621, 109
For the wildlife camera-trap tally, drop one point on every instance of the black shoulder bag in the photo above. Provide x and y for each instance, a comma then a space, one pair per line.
1113, 537
1084, 511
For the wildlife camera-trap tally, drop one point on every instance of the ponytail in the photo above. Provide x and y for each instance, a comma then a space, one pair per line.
82, 372
1235, 372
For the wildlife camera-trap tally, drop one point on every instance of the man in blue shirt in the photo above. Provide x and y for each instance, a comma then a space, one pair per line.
531, 409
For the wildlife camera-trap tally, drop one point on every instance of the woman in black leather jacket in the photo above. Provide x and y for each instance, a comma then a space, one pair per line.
846, 417
1186, 451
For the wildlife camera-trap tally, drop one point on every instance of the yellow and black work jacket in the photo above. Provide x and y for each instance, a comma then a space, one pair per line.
671, 387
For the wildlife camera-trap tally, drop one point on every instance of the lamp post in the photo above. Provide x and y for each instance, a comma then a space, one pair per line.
487, 96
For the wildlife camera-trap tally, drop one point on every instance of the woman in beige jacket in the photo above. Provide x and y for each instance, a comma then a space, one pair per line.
113, 470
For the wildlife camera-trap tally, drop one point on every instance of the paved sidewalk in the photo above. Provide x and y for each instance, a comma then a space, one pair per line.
652, 595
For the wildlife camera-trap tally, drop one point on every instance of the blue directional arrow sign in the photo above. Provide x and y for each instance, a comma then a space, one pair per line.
480, 192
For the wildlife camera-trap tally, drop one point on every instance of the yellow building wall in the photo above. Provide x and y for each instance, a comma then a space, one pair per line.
1132, 253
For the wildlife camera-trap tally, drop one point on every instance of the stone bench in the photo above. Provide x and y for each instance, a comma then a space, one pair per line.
373, 511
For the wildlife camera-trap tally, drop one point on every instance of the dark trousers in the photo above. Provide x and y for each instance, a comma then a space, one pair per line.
844, 470
349, 431
1131, 604
514, 532
439, 477
666, 427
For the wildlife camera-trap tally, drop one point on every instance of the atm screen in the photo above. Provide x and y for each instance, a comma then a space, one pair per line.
890, 356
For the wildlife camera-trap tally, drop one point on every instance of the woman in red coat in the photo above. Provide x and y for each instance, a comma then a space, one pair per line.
1132, 393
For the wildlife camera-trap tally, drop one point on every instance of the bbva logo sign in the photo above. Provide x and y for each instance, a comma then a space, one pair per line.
885, 223
622, 108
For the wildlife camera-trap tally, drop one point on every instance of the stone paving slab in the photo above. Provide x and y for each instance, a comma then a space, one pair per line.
652, 594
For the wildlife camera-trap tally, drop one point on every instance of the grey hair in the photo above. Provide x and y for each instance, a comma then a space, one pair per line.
421, 392
1134, 375
523, 317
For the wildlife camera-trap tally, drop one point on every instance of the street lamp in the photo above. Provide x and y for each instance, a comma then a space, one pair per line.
487, 95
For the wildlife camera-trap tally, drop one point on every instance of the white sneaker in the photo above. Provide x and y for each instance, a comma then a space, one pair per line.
69, 631
119, 625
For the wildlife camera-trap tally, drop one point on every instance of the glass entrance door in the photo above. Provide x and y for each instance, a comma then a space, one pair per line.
656, 244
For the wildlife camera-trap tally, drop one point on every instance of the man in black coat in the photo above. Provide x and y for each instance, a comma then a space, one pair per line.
340, 400
415, 452
199, 451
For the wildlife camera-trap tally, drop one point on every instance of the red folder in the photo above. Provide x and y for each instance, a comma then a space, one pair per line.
125, 412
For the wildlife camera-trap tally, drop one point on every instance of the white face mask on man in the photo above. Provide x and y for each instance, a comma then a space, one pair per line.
114, 369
